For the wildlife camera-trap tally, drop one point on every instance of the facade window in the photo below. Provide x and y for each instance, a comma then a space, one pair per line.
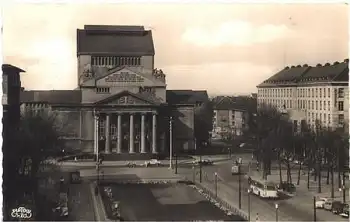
324, 105
308, 93
312, 93
308, 105
341, 93
329, 118
341, 106
101, 127
316, 92
316, 105
113, 130
329, 93
324, 117
312, 117
312, 105
320, 93
115, 61
320, 105
324, 92
329, 105
102, 90
341, 119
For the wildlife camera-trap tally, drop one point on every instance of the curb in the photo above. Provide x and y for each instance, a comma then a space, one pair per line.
97, 201
228, 208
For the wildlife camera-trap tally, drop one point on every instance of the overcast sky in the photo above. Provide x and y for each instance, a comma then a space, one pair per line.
224, 48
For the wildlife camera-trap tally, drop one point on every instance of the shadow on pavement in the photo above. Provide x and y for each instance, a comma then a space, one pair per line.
138, 202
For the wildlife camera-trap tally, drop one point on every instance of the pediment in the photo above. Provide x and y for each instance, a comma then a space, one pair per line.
126, 98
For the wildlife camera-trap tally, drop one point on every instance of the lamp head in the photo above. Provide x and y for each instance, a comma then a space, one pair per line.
276, 205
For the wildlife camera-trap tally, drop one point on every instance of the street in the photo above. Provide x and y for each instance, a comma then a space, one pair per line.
296, 208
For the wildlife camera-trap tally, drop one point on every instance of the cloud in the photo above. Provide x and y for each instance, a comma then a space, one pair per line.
235, 32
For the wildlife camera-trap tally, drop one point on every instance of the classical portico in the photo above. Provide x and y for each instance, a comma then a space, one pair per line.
126, 132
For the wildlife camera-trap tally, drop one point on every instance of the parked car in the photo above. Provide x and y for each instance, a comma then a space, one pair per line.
345, 212
320, 202
153, 162
337, 207
328, 205
287, 187
205, 162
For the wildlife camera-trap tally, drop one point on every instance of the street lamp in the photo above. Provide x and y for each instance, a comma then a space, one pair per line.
276, 206
344, 195
194, 174
171, 142
216, 183
176, 163
315, 209
249, 191
239, 186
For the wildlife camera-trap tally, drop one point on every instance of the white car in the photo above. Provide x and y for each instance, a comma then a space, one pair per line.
320, 202
153, 162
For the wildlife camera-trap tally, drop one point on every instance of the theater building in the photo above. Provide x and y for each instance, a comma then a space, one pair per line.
121, 105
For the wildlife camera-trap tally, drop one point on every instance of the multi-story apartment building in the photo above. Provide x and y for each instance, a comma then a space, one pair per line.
309, 93
230, 115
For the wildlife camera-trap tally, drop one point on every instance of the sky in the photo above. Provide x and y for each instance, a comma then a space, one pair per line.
224, 48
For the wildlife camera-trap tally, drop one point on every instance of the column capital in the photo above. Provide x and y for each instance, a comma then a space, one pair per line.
154, 113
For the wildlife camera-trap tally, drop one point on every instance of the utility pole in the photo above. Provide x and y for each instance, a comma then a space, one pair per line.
239, 186
175, 163
171, 142
315, 219
344, 188
200, 160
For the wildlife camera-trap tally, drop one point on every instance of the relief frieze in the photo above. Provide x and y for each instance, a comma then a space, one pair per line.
128, 100
124, 77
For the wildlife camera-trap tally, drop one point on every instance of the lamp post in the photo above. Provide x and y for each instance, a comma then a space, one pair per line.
249, 191
216, 183
175, 163
276, 206
171, 142
194, 174
315, 219
344, 187
239, 186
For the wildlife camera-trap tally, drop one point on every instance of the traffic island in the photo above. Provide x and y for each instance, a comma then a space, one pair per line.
159, 200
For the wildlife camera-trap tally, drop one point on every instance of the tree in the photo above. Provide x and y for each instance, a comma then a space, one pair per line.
38, 138
203, 123
263, 126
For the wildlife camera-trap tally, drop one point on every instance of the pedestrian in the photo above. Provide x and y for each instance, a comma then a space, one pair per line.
257, 217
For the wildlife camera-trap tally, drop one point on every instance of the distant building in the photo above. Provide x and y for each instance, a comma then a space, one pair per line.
231, 115
310, 93
11, 85
121, 105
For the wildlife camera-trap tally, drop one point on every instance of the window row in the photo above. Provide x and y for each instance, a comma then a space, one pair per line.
301, 93
102, 90
115, 61
287, 92
316, 105
324, 118
286, 104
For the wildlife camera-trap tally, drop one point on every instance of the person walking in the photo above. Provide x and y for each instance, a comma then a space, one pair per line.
257, 217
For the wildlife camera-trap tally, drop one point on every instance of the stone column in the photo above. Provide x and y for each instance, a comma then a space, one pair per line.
154, 133
119, 135
108, 138
131, 136
95, 134
143, 139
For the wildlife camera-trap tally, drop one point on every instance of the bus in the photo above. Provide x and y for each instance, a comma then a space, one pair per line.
263, 188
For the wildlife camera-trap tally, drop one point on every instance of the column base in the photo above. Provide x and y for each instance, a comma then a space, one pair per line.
143, 151
132, 152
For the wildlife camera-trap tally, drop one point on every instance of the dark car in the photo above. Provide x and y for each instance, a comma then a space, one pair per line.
345, 212
337, 207
287, 187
